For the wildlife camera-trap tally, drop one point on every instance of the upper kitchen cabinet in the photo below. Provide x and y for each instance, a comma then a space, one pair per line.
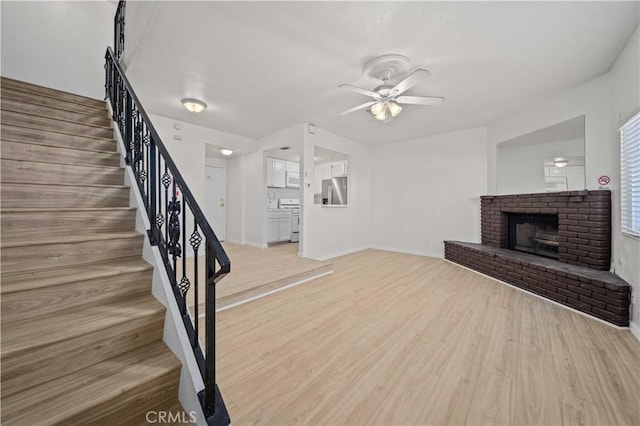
282, 173
276, 173
339, 168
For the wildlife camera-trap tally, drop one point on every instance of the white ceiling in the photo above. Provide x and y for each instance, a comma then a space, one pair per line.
265, 66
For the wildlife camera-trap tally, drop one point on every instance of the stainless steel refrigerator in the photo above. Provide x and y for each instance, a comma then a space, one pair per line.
334, 190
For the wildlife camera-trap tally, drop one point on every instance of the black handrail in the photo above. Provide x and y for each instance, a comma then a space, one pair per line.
155, 173
118, 29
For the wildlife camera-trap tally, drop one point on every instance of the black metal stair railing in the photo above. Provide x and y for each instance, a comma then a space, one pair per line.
118, 29
175, 221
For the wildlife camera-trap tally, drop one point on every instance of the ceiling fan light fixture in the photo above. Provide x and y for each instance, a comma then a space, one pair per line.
226, 151
385, 110
377, 108
561, 162
193, 105
394, 108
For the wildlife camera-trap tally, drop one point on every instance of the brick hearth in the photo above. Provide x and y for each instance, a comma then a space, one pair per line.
579, 278
598, 293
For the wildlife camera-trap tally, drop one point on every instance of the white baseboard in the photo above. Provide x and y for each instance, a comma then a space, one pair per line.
256, 245
337, 254
635, 330
408, 251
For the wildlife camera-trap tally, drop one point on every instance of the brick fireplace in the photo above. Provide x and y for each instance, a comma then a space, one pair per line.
563, 254
584, 223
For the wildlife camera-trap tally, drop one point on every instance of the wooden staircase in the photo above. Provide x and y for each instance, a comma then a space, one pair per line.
81, 333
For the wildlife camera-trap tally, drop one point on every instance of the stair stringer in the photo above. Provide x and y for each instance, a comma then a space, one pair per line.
174, 336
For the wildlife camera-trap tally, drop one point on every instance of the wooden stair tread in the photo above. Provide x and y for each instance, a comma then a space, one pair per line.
46, 240
65, 209
47, 101
7, 109
81, 390
53, 111
46, 330
93, 185
92, 166
23, 86
39, 130
29, 280
59, 147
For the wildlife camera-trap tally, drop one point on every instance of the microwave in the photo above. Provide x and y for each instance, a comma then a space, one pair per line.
292, 180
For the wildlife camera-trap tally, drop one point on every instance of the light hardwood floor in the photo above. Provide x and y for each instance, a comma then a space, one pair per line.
256, 271
398, 339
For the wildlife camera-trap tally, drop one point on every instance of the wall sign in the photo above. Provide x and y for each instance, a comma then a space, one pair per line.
604, 180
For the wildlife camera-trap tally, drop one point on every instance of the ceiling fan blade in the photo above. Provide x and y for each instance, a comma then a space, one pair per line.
357, 108
365, 92
413, 79
420, 100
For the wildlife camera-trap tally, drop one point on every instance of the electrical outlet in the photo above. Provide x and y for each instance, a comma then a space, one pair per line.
633, 296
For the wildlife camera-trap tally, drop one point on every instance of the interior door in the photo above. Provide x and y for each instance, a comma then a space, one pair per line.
216, 200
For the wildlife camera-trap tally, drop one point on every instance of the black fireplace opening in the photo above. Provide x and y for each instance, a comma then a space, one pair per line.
534, 233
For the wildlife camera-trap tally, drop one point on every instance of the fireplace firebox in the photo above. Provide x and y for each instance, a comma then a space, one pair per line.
534, 233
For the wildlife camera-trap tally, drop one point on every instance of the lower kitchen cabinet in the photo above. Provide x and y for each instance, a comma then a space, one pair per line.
278, 229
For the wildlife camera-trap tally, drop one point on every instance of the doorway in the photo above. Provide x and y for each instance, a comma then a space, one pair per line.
216, 200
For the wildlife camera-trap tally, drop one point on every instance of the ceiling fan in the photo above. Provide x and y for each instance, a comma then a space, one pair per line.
387, 99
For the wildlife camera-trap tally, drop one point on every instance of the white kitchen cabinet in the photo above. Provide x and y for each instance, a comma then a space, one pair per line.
292, 166
339, 168
276, 173
278, 226
272, 230
284, 229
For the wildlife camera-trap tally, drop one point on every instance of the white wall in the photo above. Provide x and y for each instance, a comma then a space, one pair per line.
606, 101
520, 168
332, 231
625, 102
427, 190
57, 44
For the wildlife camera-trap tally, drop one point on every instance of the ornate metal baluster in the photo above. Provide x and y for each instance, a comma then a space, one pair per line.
184, 281
195, 241
166, 181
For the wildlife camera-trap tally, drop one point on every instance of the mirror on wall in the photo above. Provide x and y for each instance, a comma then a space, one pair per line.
330, 177
546, 160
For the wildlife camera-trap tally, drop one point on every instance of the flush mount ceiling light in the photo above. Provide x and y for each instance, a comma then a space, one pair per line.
226, 151
193, 105
561, 162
